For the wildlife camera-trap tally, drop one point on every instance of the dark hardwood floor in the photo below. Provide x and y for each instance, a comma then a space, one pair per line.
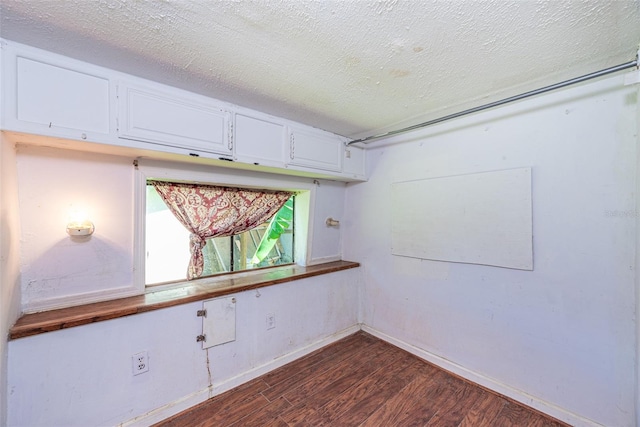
359, 381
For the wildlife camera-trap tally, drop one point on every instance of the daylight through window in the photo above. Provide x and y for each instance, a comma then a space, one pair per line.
168, 244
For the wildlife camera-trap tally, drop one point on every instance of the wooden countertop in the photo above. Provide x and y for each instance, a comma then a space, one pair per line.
166, 296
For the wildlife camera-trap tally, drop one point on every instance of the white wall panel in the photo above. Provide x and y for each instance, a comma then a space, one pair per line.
82, 376
563, 334
482, 218
9, 260
327, 243
57, 270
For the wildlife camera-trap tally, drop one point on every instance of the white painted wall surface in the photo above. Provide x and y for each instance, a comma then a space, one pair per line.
53, 182
57, 270
561, 337
82, 376
327, 241
9, 261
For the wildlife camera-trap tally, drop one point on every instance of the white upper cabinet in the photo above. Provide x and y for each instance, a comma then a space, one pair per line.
86, 107
173, 119
45, 95
353, 165
259, 141
315, 149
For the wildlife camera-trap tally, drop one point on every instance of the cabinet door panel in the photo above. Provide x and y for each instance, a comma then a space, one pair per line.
167, 120
59, 97
354, 162
259, 141
316, 150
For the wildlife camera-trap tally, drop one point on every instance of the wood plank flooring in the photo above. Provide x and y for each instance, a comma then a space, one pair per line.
359, 381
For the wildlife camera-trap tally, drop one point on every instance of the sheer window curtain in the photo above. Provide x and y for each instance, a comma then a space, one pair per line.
212, 211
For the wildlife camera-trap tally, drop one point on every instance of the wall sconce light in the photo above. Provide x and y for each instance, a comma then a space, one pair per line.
79, 224
332, 222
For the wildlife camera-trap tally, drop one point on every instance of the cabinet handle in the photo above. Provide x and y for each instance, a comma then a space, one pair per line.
230, 141
292, 141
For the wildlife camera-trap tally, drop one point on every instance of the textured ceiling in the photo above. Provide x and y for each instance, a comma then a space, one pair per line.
351, 67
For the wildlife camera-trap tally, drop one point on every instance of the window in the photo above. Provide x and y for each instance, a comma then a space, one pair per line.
162, 252
168, 247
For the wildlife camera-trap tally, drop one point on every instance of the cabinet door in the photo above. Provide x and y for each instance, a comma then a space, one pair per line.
259, 141
354, 162
57, 97
315, 149
219, 324
162, 118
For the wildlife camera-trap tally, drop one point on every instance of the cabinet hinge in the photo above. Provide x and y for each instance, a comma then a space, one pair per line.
292, 141
230, 141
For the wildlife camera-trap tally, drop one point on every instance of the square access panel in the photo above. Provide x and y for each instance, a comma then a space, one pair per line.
218, 321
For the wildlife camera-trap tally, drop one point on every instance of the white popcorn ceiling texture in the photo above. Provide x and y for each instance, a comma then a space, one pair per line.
351, 67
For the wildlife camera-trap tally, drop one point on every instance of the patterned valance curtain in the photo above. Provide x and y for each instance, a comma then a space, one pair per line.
210, 211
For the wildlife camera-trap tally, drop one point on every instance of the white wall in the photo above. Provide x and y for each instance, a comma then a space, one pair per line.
327, 241
51, 183
57, 270
9, 260
82, 376
561, 337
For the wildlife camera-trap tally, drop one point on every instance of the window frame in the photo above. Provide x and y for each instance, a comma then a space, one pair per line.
231, 262
146, 169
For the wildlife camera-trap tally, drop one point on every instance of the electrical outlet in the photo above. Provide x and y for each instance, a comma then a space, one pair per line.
140, 363
271, 321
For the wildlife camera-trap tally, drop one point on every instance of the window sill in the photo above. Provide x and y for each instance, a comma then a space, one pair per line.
47, 321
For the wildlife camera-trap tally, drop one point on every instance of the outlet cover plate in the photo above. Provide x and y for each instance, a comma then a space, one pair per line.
140, 363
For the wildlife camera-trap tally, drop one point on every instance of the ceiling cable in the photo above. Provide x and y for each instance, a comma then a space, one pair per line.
524, 95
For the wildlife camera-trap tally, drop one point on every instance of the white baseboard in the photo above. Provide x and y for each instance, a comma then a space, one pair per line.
200, 396
490, 383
